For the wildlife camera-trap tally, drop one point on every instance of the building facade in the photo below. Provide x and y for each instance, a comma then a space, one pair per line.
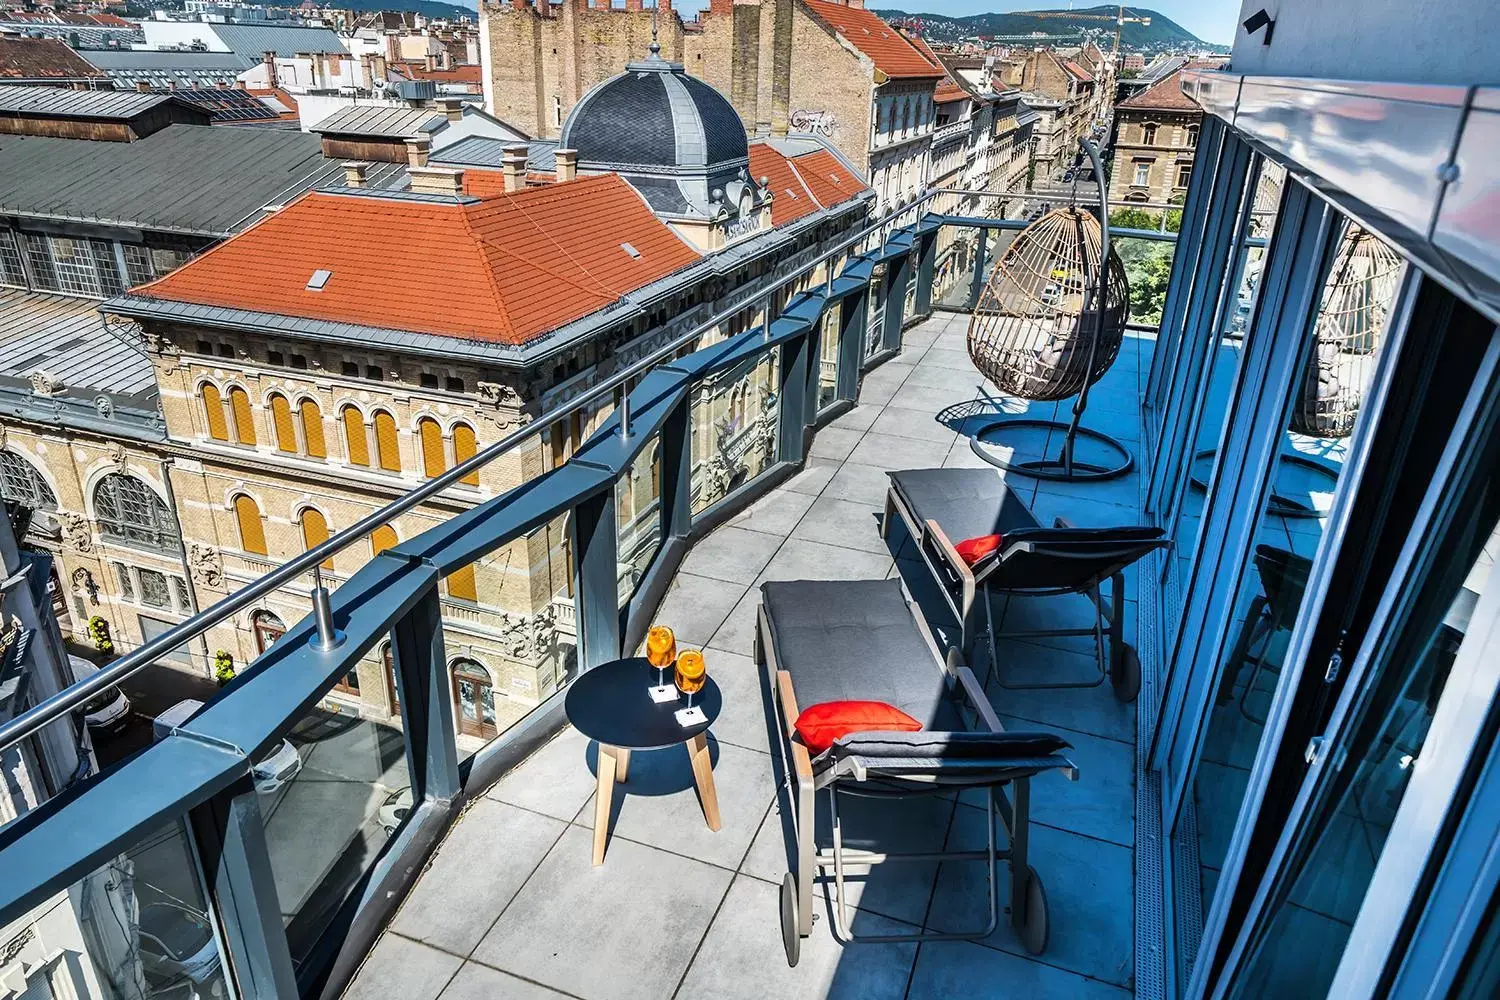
1154, 138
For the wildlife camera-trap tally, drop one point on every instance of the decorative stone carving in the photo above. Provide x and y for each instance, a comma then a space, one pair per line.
44, 384
84, 580
76, 531
529, 638
104, 406
505, 404
204, 565
117, 455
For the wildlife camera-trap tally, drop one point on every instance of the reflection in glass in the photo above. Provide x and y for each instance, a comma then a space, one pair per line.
957, 254
1300, 950
324, 805
638, 518
734, 418
137, 926
875, 315
1271, 591
828, 356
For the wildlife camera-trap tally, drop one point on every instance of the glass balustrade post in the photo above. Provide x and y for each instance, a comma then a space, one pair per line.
926, 264
228, 834
677, 470
596, 583
419, 663
796, 363
897, 277
851, 341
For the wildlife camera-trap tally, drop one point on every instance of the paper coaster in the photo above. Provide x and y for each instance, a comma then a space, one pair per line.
690, 716
663, 693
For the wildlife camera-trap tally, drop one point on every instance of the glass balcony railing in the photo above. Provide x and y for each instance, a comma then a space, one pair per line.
301, 823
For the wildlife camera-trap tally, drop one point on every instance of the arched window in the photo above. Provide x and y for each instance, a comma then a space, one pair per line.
356, 438
267, 628
22, 484
1192, 136
252, 528
1136, 196
1148, 134
461, 584
387, 445
244, 418
382, 538
129, 511
312, 429
465, 446
213, 412
434, 462
315, 532
286, 428
474, 697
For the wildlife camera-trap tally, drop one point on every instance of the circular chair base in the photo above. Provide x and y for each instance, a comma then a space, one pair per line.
1053, 469
1279, 505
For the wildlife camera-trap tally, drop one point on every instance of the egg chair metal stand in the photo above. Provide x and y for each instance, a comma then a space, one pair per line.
1050, 332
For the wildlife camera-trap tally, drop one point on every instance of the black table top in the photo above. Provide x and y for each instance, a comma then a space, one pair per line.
610, 704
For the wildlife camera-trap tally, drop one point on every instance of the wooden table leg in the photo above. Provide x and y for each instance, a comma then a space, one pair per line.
703, 776
602, 796
622, 763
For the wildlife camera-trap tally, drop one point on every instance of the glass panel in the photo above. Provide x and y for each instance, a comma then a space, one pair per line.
828, 357
638, 526
325, 794
875, 314
137, 926
909, 307
11, 272
953, 271
154, 591
734, 418
1305, 936
1271, 590
1148, 266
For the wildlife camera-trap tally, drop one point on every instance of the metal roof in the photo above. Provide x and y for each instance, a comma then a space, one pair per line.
252, 41
160, 68
66, 338
57, 102
196, 179
486, 151
381, 120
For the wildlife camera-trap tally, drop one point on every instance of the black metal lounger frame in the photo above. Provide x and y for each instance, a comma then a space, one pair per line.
873, 777
1122, 666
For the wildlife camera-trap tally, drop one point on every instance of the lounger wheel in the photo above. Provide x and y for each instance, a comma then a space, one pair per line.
1031, 926
1126, 679
790, 939
760, 649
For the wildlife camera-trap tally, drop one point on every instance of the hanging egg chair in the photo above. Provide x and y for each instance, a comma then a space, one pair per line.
1038, 331
1358, 295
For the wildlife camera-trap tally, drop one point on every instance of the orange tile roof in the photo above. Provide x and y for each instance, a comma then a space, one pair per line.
463, 73
504, 269
826, 177
1164, 95
1078, 71
887, 48
949, 90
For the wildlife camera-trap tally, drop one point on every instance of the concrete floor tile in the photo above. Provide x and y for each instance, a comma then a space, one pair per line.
659, 804
865, 484
742, 957
737, 634
843, 523
730, 553
923, 426
895, 453
625, 930
947, 357
835, 443
961, 970
742, 721
556, 780
858, 419
963, 382
1089, 887
878, 386
777, 513
816, 561
931, 399
695, 606
815, 474
1086, 710
1101, 803
491, 851
397, 967
480, 982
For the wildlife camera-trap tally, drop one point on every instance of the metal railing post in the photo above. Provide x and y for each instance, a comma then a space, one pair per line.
897, 276
796, 359
981, 261
420, 664
851, 342
596, 579
327, 637
926, 263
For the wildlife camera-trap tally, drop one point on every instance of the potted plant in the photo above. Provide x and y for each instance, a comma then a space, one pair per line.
99, 633
223, 667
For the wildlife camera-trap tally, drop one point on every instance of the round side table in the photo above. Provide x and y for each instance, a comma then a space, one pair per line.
610, 705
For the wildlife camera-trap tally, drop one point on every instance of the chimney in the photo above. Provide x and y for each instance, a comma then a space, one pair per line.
269, 58
665, 6
567, 164
354, 173
543, 7
856, 4
436, 180
453, 108
518, 4
634, 5
429, 63
720, 8
513, 165
417, 151
142, 86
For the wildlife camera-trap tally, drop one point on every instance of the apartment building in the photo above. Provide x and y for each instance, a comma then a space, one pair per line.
1154, 139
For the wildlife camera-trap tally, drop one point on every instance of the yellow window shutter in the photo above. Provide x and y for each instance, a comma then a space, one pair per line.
355, 437
464, 448
312, 429
286, 430
252, 529
461, 584
433, 460
315, 533
244, 419
382, 538
213, 411
387, 446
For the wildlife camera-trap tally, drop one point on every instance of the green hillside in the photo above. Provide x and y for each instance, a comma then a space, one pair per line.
1161, 33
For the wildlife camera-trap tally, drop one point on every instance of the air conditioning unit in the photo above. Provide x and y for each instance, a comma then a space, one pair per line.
417, 90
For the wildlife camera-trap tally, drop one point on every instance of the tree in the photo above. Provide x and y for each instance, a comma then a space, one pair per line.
1148, 266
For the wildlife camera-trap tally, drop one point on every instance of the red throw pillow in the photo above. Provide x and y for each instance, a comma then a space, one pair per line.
971, 550
820, 725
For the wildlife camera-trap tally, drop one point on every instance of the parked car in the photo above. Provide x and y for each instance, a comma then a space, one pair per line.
270, 771
107, 712
394, 810
177, 947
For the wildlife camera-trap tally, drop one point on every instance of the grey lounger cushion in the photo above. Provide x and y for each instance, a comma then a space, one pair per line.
966, 503
950, 746
856, 640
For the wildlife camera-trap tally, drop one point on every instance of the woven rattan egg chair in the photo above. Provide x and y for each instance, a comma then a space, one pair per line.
1044, 329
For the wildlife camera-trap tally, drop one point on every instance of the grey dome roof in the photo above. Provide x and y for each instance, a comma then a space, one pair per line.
654, 118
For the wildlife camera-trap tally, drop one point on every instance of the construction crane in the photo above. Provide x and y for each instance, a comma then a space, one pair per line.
1119, 18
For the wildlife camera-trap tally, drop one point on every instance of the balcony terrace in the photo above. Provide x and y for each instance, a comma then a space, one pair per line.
511, 906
